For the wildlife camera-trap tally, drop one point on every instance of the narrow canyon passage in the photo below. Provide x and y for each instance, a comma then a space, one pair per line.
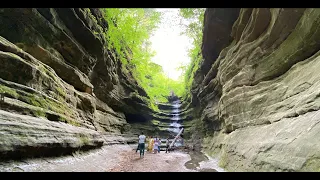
119, 156
78, 86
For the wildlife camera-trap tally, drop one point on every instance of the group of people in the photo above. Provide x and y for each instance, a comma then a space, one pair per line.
154, 144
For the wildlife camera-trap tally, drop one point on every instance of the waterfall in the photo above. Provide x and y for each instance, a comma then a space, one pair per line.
175, 125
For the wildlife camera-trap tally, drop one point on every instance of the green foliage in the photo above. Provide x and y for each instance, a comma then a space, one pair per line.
128, 30
128, 34
193, 30
159, 86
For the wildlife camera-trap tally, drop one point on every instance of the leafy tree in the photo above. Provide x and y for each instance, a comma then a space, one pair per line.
128, 34
193, 30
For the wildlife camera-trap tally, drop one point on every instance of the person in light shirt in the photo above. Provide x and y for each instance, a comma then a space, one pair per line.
142, 140
156, 145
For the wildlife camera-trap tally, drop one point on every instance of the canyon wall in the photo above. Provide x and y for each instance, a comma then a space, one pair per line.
63, 89
256, 93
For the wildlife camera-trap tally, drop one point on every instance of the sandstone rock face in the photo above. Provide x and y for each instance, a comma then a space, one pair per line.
25, 136
257, 91
55, 65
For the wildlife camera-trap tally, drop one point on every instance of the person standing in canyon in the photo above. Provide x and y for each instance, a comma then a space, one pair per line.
159, 144
156, 145
167, 145
142, 139
138, 145
150, 145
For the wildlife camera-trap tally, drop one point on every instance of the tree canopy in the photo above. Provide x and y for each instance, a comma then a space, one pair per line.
129, 30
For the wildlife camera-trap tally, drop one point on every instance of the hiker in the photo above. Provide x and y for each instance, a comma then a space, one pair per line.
147, 143
150, 145
172, 147
159, 144
137, 146
167, 145
155, 146
142, 139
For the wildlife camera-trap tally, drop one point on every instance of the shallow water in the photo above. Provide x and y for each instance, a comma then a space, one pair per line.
203, 163
196, 158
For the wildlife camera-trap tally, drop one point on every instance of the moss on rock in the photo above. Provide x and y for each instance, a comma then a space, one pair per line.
8, 91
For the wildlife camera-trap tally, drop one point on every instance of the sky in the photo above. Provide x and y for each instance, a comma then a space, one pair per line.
171, 48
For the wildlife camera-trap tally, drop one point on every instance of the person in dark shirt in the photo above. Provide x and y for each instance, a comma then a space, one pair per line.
167, 145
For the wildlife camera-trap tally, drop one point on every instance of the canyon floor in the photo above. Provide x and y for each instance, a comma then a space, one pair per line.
116, 158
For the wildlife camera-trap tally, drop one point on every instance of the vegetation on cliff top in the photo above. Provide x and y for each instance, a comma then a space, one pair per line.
195, 17
128, 33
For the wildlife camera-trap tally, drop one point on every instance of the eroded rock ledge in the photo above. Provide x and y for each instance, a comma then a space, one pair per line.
257, 91
55, 67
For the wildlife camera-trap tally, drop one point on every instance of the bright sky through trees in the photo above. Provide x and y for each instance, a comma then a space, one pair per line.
170, 46
174, 35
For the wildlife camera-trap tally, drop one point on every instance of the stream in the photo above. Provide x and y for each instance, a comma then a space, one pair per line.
202, 163
199, 161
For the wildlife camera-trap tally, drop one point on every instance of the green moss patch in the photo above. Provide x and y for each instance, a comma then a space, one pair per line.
155, 122
39, 113
69, 121
46, 103
312, 165
84, 139
223, 160
9, 92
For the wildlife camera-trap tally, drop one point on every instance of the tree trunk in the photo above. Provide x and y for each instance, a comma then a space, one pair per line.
174, 140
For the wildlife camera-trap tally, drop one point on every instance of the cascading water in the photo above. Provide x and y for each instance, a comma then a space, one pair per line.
175, 125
